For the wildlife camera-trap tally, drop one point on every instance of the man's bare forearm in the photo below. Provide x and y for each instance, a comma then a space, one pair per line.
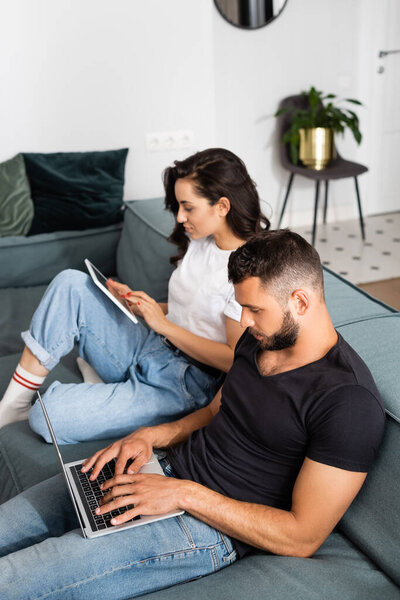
321, 495
259, 526
169, 434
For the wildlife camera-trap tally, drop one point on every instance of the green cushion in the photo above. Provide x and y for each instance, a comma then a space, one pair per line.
16, 206
76, 190
143, 251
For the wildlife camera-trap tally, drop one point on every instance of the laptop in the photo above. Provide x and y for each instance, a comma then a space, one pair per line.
100, 280
86, 494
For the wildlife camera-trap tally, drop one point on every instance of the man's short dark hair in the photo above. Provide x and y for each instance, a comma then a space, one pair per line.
282, 259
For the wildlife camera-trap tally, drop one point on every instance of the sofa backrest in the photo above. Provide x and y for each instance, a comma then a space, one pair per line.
143, 251
36, 259
373, 330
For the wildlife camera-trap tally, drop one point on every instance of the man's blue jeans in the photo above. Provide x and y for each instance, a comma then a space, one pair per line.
45, 556
146, 382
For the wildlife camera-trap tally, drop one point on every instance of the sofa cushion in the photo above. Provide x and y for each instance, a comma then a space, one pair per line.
337, 571
35, 260
25, 459
17, 308
373, 520
348, 303
377, 341
143, 251
16, 206
76, 190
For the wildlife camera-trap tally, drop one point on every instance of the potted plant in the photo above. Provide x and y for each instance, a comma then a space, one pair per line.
311, 131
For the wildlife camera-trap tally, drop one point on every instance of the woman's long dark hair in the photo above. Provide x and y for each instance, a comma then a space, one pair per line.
215, 173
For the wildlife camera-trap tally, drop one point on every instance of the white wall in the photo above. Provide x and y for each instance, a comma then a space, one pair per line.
313, 42
98, 74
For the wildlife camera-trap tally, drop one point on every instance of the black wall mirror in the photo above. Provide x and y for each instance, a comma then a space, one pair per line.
250, 14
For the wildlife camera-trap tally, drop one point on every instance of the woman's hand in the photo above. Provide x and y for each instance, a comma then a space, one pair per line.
150, 310
150, 494
114, 286
121, 291
137, 446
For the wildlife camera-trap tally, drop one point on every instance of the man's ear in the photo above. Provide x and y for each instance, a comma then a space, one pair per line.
300, 300
224, 206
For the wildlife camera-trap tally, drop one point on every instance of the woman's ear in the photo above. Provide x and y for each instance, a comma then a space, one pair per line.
224, 206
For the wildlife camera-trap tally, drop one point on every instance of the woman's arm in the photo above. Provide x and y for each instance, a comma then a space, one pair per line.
209, 352
215, 354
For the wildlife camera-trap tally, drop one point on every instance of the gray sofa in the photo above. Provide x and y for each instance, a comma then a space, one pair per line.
361, 558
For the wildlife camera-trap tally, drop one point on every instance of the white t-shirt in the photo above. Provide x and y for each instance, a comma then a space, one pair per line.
199, 293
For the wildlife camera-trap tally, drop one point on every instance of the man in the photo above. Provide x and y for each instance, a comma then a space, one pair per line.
272, 463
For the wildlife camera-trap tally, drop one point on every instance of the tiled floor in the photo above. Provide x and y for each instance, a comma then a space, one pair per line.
341, 248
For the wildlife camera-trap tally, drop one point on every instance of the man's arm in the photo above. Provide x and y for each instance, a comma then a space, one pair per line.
321, 496
139, 445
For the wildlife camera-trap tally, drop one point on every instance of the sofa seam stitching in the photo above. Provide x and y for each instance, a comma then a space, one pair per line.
369, 318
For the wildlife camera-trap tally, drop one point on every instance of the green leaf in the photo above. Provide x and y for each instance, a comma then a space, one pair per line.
354, 101
323, 111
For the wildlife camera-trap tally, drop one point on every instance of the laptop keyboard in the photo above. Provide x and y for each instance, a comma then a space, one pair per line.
91, 494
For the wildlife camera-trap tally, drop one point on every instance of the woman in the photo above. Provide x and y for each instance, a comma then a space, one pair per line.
149, 375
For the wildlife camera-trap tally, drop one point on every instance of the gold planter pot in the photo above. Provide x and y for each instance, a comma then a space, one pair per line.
316, 147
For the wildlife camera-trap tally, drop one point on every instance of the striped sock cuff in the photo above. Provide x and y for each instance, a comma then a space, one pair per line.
25, 382
26, 379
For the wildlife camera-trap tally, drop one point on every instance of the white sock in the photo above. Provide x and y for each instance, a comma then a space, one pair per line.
88, 373
17, 399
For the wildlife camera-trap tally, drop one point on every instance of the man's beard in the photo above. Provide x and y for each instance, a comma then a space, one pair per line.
286, 337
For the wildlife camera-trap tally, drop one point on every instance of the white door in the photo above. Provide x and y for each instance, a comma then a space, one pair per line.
383, 193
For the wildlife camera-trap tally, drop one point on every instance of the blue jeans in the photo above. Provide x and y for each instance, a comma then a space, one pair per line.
43, 553
146, 382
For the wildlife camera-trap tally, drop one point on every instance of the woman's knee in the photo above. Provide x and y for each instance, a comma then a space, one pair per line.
70, 278
38, 423
54, 402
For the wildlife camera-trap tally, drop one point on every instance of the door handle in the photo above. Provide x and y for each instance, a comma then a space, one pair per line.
383, 53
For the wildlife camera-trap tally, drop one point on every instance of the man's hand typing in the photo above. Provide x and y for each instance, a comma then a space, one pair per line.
136, 447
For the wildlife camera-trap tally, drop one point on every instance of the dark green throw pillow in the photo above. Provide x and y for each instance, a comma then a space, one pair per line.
76, 190
16, 206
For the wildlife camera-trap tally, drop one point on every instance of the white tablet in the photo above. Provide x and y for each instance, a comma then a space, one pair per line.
100, 280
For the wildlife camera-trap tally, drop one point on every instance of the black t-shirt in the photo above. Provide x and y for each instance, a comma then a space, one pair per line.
329, 411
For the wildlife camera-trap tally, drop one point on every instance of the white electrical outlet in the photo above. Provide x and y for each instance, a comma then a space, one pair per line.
169, 140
